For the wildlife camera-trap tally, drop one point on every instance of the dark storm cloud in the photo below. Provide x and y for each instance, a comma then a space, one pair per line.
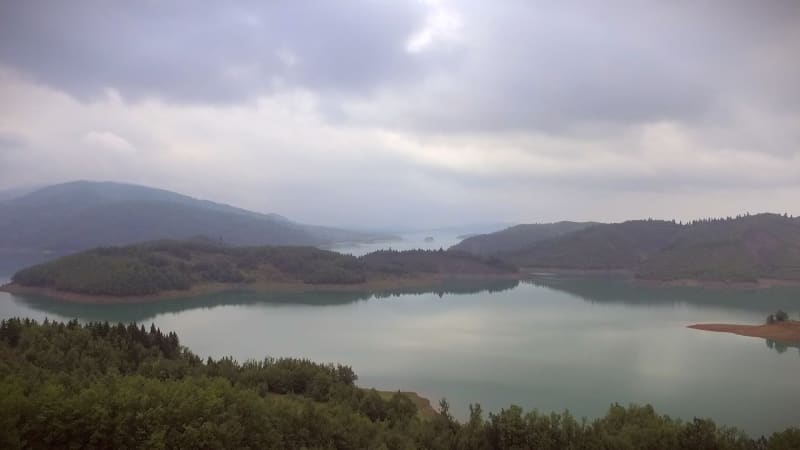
207, 51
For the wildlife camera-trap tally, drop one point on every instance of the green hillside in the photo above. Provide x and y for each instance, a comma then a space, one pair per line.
741, 249
154, 267
516, 237
604, 246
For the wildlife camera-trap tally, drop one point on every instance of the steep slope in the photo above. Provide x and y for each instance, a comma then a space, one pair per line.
80, 215
604, 246
741, 249
517, 237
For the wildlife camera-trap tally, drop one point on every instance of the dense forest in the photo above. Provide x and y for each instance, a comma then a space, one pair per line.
98, 385
604, 246
153, 267
517, 237
745, 248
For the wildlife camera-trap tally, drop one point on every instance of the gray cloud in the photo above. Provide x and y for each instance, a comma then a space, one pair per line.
418, 112
552, 66
515, 65
207, 51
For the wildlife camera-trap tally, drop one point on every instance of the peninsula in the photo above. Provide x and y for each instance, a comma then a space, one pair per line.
786, 331
169, 269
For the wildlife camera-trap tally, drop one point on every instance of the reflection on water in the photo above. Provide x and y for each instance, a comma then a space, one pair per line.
551, 344
597, 289
621, 290
781, 347
144, 312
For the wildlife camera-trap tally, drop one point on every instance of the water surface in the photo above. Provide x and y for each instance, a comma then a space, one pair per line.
558, 343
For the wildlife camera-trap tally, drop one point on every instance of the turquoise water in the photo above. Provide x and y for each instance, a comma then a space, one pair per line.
557, 343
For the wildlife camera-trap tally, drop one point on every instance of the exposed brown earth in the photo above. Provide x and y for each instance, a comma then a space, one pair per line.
788, 331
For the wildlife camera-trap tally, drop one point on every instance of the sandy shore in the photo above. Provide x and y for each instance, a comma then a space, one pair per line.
788, 331
382, 284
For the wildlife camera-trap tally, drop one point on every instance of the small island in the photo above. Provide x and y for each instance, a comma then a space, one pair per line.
778, 328
170, 269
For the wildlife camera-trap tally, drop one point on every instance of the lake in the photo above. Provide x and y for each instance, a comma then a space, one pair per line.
552, 344
425, 240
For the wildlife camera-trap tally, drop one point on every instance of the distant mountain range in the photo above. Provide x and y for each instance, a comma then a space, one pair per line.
746, 248
79, 215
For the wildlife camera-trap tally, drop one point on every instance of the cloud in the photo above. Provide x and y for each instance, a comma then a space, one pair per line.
198, 52
443, 26
556, 66
423, 66
419, 112
106, 140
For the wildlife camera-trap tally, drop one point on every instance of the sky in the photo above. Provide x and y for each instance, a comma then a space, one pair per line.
417, 113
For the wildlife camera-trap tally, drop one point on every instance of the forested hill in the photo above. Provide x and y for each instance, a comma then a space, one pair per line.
741, 249
604, 246
745, 248
98, 385
154, 267
80, 215
516, 237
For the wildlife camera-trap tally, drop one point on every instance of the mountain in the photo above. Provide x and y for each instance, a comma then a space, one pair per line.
82, 214
517, 237
602, 246
742, 249
747, 248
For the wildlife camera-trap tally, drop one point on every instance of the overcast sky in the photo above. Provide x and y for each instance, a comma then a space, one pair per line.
417, 113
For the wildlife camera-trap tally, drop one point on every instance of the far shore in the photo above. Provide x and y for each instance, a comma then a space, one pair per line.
761, 283
630, 275
382, 284
787, 332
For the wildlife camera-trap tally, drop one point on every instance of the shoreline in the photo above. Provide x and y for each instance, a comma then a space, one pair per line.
787, 332
630, 277
381, 284
761, 283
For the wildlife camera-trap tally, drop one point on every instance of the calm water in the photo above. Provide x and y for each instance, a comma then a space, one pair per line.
559, 343
407, 242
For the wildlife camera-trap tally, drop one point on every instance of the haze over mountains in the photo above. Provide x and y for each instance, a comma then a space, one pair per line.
79, 215
82, 214
746, 248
